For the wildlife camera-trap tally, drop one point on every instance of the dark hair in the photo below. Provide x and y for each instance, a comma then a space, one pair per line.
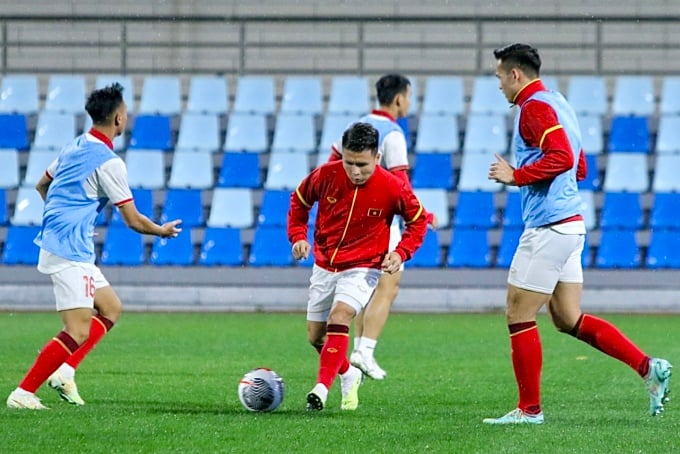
360, 137
522, 56
389, 86
103, 102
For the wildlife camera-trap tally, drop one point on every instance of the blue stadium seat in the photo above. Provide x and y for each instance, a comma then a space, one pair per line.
274, 208
664, 212
588, 208
626, 172
14, 131
469, 248
436, 201
512, 211
146, 168
667, 169
621, 210
618, 249
475, 210
161, 95
663, 249
670, 96
191, 169
246, 132
302, 95
444, 95
633, 95
9, 169
270, 247
28, 208
4, 217
19, 246
122, 246
19, 94
173, 251
184, 204
349, 95
437, 134
54, 130
66, 93
629, 134
668, 134
334, 126
487, 98
143, 199
38, 161
592, 182
221, 247
294, 132
240, 170
429, 254
588, 95
152, 132
254, 94
592, 136
286, 170
199, 132
208, 95
231, 207
433, 170
508, 246
485, 134
474, 171
105, 80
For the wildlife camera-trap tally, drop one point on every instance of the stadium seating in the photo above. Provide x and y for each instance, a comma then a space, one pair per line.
664, 212
626, 172
208, 95
122, 246
143, 199
14, 131
255, 95
294, 132
437, 134
104, 80
161, 95
152, 132
38, 162
663, 249
512, 211
433, 171
621, 210
475, 210
349, 95
146, 168
670, 96
184, 204
436, 202
302, 95
618, 249
474, 171
666, 171
469, 248
274, 208
429, 254
270, 247
630, 134
668, 134
221, 247
592, 140
4, 217
19, 246
231, 207
508, 246
588, 95
487, 98
9, 169
286, 170
173, 251
246, 132
198, 131
588, 208
633, 95
485, 134
240, 170
54, 130
19, 94
191, 169
443, 96
66, 94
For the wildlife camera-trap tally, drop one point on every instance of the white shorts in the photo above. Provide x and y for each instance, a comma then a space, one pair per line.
353, 287
74, 283
545, 257
395, 238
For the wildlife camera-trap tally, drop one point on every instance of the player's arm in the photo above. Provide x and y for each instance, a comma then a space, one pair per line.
582, 169
45, 180
540, 127
113, 180
415, 221
301, 201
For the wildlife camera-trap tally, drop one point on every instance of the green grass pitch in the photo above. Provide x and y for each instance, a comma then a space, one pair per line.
167, 383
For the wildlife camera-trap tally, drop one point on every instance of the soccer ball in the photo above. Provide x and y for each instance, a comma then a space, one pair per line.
261, 389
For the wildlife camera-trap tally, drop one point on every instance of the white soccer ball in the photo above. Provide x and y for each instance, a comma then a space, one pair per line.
261, 389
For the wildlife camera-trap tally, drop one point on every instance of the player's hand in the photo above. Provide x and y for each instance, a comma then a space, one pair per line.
301, 249
501, 171
434, 222
391, 263
170, 229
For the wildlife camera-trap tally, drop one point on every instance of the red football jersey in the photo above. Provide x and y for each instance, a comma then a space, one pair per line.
353, 222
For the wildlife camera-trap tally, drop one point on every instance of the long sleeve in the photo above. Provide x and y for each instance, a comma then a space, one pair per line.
301, 201
415, 219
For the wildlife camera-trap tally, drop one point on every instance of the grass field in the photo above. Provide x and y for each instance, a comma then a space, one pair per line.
167, 383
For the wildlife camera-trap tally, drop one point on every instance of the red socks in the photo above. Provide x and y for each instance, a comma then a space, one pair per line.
527, 361
53, 354
99, 326
609, 340
343, 367
333, 354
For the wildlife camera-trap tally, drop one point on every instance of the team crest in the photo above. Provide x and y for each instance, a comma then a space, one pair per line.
331, 199
374, 212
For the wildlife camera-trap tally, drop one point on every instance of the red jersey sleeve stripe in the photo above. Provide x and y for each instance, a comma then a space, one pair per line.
304, 202
548, 131
123, 202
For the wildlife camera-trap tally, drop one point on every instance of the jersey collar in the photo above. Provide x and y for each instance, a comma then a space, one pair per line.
527, 91
383, 113
99, 135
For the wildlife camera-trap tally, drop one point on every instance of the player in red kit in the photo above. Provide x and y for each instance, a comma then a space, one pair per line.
357, 200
